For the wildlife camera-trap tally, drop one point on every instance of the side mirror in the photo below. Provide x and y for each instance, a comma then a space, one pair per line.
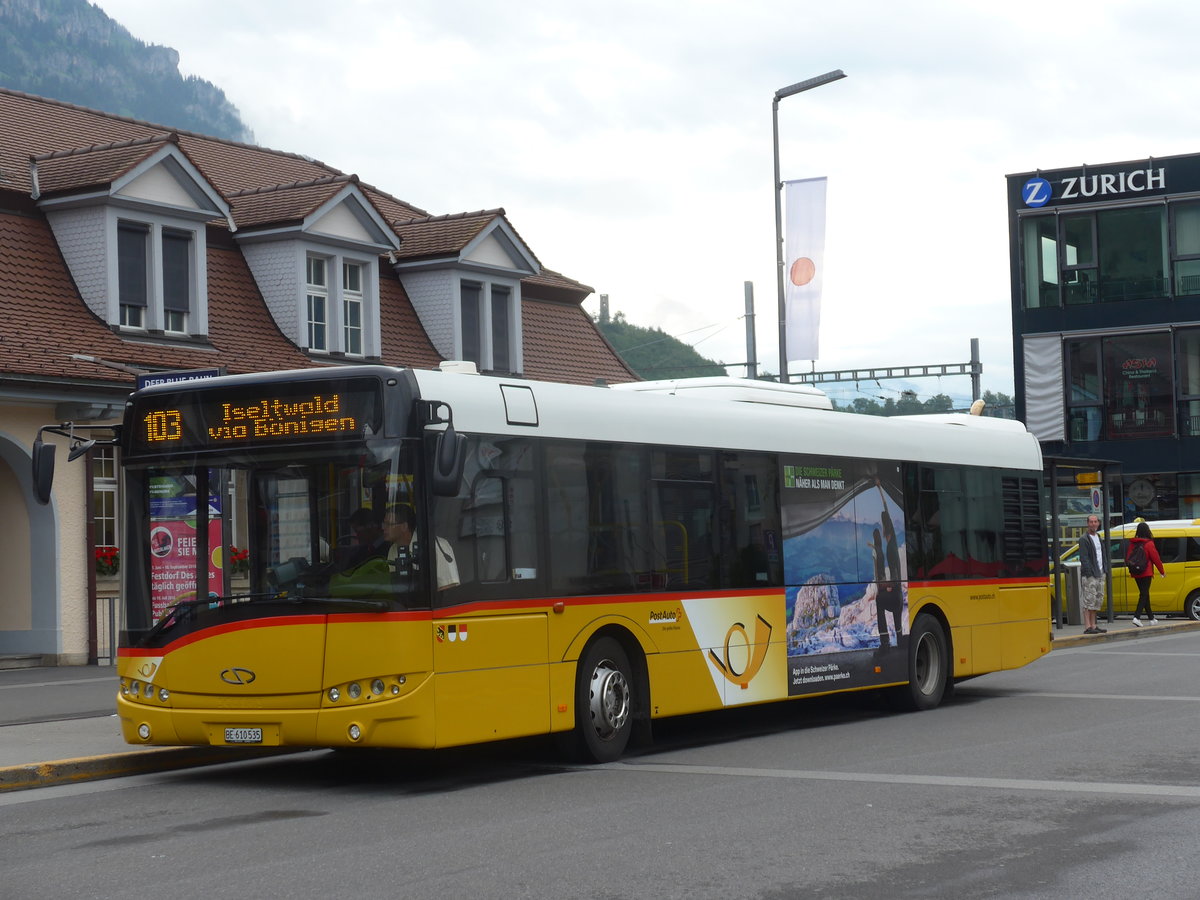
80, 448
43, 470
449, 456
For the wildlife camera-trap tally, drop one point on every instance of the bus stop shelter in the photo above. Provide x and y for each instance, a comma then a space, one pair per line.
1065, 477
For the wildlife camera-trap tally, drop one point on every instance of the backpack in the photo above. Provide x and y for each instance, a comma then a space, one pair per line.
1137, 560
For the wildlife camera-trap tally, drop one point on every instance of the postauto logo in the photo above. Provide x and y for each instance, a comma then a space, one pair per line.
1036, 192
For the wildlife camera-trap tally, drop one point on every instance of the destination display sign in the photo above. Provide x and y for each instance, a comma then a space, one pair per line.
202, 417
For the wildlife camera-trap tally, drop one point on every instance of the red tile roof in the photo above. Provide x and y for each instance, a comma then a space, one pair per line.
66, 170
431, 237
562, 343
45, 320
281, 204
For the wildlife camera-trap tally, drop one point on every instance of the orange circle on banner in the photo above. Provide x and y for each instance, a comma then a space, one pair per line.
803, 271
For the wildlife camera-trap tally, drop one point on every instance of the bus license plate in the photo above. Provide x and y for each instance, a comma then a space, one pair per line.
243, 735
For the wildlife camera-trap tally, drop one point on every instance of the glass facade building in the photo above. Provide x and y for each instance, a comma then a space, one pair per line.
1105, 273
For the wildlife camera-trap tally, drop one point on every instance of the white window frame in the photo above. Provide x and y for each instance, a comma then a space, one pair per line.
155, 316
352, 310
105, 480
341, 302
487, 349
316, 293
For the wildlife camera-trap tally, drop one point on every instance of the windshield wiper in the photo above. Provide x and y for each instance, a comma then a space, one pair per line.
285, 597
185, 610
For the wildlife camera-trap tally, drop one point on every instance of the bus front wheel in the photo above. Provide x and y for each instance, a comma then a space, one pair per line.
928, 665
1191, 606
603, 702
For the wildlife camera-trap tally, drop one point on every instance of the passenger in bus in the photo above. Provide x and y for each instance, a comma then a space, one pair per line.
361, 569
400, 529
369, 539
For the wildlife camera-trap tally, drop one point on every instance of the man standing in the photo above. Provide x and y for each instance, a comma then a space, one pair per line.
1092, 564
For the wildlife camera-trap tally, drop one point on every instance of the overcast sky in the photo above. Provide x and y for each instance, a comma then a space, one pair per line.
630, 142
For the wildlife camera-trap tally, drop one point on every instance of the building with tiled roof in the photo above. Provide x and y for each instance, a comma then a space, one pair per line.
129, 248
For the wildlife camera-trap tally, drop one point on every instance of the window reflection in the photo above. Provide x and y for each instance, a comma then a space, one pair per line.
1139, 385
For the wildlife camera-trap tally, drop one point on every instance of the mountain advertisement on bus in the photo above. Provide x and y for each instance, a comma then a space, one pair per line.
844, 566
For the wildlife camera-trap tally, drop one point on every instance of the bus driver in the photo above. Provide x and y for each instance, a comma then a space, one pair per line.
399, 527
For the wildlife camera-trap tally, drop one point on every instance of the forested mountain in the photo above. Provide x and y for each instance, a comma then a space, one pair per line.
70, 50
653, 353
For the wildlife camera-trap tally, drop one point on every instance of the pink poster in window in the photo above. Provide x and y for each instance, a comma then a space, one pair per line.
173, 547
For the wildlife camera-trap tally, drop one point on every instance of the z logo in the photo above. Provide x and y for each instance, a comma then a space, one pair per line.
1036, 192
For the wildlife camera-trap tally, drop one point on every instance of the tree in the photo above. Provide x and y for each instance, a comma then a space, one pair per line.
653, 354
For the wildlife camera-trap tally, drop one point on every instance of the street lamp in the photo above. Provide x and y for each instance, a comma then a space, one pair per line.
798, 87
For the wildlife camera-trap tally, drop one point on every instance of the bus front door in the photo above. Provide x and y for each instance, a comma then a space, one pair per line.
493, 677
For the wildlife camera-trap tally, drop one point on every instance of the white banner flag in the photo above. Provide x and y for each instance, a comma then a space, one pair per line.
803, 259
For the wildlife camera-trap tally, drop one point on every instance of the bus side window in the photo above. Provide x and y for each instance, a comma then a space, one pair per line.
492, 524
596, 517
749, 520
683, 519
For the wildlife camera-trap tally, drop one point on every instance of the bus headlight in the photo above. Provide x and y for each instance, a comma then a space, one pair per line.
164, 695
377, 686
355, 732
354, 690
334, 695
144, 731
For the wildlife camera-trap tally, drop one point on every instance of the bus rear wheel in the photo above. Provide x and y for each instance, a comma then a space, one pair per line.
928, 665
1191, 606
603, 702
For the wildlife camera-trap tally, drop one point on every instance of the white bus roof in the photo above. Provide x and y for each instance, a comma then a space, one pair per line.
485, 404
742, 390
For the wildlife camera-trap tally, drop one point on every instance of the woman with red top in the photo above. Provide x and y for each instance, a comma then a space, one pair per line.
1144, 538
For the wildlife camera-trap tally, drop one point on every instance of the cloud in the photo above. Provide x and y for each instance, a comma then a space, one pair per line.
631, 144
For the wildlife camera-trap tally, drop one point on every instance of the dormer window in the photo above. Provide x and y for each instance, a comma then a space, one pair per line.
486, 312
335, 312
130, 219
318, 304
177, 279
314, 250
133, 264
352, 306
467, 269
154, 290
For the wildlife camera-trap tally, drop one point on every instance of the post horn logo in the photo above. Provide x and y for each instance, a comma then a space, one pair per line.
237, 676
757, 649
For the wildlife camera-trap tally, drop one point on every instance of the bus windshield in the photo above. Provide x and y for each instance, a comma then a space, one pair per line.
250, 535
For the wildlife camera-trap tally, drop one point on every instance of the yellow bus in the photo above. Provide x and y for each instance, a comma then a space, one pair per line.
382, 557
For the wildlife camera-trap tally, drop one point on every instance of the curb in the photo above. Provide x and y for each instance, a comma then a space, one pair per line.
1125, 634
118, 765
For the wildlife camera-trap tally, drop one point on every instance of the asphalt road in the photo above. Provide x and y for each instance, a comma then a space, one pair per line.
1074, 777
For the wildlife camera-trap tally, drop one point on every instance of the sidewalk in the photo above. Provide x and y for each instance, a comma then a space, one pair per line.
55, 727
1121, 629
